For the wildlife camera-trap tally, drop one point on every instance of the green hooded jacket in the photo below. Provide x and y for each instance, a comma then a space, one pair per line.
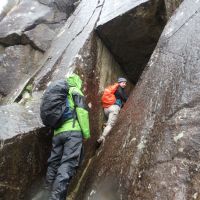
82, 121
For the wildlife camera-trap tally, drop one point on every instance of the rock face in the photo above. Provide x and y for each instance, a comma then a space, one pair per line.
171, 6
153, 151
23, 152
60, 58
65, 6
17, 64
21, 18
27, 22
131, 33
34, 37
108, 69
75, 48
26, 15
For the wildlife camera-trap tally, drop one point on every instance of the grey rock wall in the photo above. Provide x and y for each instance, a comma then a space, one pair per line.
24, 148
17, 64
33, 23
59, 60
153, 151
75, 48
27, 29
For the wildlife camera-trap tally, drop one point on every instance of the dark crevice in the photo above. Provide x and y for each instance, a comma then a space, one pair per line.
25, 40
20, 40
161, 13
132, 37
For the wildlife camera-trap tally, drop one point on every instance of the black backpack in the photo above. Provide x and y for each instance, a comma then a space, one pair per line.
54, 108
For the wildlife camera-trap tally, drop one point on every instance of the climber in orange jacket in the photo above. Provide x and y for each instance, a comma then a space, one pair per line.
113, 99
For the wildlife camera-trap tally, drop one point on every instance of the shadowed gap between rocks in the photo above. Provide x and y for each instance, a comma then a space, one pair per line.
133, 36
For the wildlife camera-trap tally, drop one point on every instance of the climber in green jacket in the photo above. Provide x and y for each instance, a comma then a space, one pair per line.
67, 147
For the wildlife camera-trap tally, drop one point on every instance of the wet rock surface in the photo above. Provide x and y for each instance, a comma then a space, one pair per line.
40, 37
26, 15
153, 151
21, 18
17, 64
24, 148
29, 22
59, 60
22, 120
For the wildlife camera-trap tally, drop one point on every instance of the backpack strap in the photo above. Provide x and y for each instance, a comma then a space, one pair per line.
74, 109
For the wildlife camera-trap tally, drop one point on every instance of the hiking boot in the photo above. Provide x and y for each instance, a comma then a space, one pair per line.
101, 140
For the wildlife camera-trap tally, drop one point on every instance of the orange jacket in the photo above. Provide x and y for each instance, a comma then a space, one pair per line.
108, 98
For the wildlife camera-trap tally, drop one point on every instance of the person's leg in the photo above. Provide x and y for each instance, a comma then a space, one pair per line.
112, 117
106, 113
112, 113
54, 160
70, 161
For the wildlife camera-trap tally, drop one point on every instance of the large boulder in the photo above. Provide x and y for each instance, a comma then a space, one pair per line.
153, 151
131, 32
17, 64
75, 48
25, 15
59, 60
23, 152
25, 22
22, 17
40, 37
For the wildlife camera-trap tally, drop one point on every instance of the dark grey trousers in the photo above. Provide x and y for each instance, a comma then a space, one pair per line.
66, 156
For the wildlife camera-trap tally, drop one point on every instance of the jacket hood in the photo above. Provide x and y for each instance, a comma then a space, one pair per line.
74, 81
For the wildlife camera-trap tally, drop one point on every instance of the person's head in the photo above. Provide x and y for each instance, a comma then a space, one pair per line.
122, 82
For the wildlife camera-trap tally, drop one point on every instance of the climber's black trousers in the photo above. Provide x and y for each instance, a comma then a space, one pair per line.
66, 156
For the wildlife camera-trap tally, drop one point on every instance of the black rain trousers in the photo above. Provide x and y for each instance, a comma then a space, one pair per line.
66, 156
